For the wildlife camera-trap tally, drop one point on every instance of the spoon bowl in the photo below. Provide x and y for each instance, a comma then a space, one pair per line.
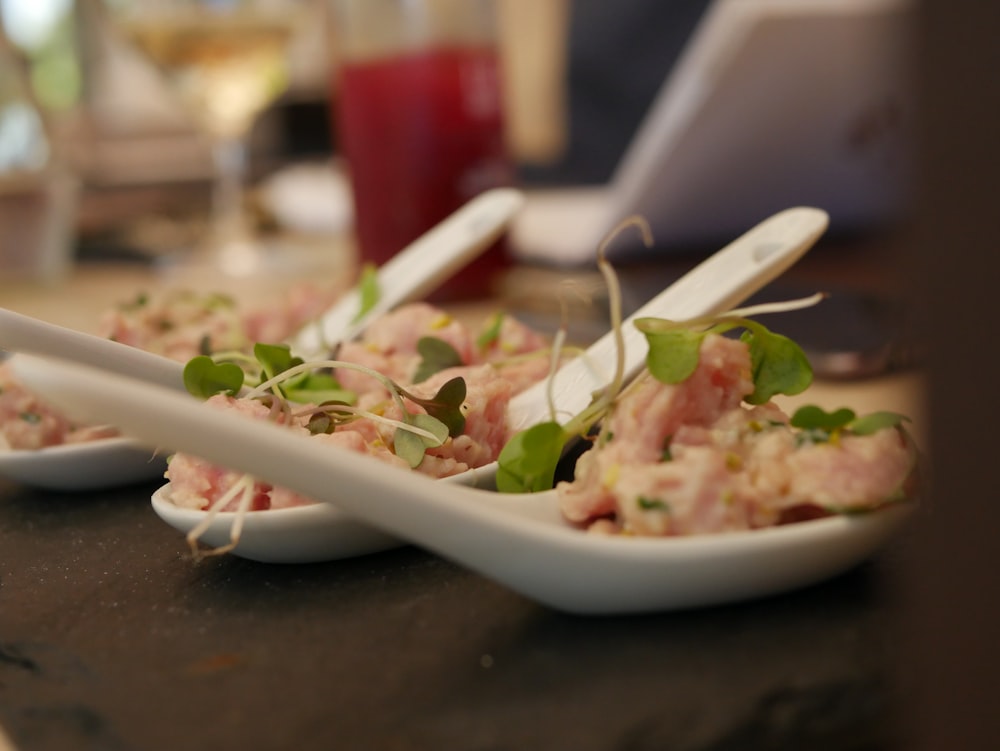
517, 540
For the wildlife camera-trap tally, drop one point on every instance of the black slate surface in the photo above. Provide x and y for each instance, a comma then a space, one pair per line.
112, 637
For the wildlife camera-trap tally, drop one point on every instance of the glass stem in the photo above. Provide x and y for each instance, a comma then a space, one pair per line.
228, 218
233, 247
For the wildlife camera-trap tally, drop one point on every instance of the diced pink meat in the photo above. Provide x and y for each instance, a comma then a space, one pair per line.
691, 458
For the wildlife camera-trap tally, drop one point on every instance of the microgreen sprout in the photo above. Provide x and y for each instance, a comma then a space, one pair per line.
290, 379
819, 426
244, 487
368, 291
527, 463
779, 366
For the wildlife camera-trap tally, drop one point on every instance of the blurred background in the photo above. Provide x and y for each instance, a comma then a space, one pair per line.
102, 115
128, 172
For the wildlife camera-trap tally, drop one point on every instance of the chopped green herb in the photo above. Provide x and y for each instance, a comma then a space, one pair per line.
490, 333
665, 454
652, 504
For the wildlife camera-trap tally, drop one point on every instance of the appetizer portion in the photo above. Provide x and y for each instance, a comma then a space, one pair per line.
693, 457
29, 423
419, 390
178, 324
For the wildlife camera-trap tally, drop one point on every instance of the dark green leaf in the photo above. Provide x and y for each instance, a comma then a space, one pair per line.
811, 417
204, 378
446, 405
435, 355
527, 464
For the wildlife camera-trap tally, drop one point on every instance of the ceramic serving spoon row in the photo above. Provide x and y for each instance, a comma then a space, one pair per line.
410, 275
321, 532
520, 541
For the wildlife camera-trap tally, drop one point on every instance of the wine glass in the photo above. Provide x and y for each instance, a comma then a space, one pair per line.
227, 61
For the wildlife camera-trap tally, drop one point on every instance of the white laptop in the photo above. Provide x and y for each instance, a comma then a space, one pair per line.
774, 103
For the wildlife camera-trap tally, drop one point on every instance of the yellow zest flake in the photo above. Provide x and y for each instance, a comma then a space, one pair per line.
755, 426
728, 496
734, 462
441, 322
611, 475
372, 347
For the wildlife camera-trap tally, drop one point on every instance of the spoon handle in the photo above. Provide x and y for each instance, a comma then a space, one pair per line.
420, 267
20, 333
717, 284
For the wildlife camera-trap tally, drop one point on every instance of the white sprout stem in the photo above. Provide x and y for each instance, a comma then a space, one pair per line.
245, 484
556, 356
381, 419
610, 392
231, 356
267, 385
785, 306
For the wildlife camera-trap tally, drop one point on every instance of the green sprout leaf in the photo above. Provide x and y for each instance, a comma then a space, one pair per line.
876, 421
673, 355
411, 446
204, 378
368, 291
527, 463
779, 365
811, 417
435, 355
275, 358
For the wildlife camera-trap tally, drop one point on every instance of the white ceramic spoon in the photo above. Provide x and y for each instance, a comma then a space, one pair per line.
414, 272
717, 284
518, 540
